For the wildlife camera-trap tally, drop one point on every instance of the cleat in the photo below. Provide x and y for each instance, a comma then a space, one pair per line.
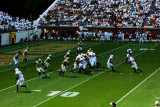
40, 77
26, 86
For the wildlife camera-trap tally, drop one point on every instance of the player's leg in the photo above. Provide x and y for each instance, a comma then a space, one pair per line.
134, 68
60, 72
43, 72
108, 66
21, 84
15, 62
140, 70
46, 66
17, 84
63, 71
92, 65
127, 58
39, 72
98, 65
112, 67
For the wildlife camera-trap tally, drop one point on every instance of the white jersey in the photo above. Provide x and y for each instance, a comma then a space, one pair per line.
110, 60
132, 61
129, 53
20, 75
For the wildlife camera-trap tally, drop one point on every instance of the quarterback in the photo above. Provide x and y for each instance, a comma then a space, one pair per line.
110, 63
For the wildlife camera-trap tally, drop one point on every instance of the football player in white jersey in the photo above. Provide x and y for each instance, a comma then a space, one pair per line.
19, 79
80, 45
15, 58
110, 63
134, 64
129, 53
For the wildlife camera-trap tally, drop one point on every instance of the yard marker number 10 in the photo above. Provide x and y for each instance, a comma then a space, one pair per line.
67, 94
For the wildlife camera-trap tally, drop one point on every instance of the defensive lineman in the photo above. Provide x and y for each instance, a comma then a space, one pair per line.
15, 58
20, 79
39, 68
134, 64
63, 66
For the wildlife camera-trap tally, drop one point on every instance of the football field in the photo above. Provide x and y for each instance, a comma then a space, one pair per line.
125, 87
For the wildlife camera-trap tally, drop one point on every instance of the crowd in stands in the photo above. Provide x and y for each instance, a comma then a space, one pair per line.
9, 23
154, 18
99, 13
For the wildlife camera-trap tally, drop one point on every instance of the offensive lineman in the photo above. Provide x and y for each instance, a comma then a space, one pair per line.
39, 68
25, 55
15, 58
129, 53
20, 79
80, 45
133, 61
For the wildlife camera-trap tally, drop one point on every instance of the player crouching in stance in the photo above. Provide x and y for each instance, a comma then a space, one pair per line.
63, 66
20, 79
47, 63
15, 58
133, 61
129, 53
25, 55
39, 69
110, 63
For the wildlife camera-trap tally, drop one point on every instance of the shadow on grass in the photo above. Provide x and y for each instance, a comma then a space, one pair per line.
25, 92
46, 77
71, 76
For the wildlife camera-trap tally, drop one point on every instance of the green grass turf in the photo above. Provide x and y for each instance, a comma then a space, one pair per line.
96, 90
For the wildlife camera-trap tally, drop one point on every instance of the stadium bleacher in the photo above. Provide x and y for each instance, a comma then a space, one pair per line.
9, 23
100, 13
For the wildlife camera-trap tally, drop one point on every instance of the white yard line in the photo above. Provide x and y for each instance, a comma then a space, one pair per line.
138, 85
80, 83
53, 57
59, 69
